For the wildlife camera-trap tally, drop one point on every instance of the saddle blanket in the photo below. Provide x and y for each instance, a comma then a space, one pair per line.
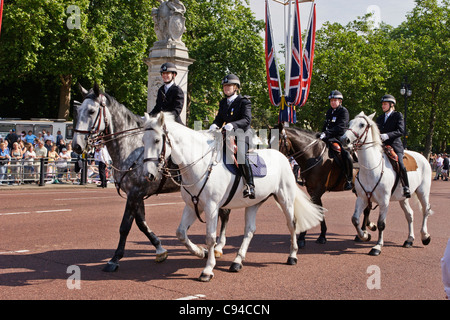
257, 164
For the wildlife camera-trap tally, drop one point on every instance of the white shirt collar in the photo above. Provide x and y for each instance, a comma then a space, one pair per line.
168, 85
387, 114
232, 98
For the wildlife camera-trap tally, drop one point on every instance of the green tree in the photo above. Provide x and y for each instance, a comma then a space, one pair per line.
424, 55
224, 37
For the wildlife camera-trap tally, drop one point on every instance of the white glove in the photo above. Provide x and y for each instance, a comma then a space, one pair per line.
213, 127
228, 127
384, 137
322, 136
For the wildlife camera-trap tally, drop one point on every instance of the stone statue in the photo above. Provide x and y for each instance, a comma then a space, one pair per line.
169, 21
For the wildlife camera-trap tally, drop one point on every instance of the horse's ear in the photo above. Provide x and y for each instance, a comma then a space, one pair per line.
361, 114
147, 116
372, 115
96, 89
83, 91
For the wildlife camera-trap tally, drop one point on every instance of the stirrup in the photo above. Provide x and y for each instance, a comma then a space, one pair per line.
249, 192
406, 192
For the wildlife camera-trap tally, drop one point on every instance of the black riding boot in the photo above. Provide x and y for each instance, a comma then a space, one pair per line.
404, 177
246, 170
348, 170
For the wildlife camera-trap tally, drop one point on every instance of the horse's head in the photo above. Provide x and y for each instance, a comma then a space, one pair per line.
155, 146
362, 130
92, 119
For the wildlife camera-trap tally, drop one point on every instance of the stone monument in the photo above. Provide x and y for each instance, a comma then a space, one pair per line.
169, 27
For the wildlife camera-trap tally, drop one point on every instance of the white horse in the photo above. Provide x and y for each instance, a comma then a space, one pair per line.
376, 179
207, 185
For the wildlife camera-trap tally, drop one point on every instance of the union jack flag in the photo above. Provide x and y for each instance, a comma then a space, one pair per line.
294, 86
273, 77
308, 57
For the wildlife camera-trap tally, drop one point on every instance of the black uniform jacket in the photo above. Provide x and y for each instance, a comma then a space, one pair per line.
171, 101
239, 113
335, 123
394, 128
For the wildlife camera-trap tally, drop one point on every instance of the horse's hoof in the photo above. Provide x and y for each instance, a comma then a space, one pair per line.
301, 243
235, 267
291, 261
374, 252
111, 267
161, 257
321, 240
407, 244
205, 277
218, 254
358, 239
372, 227
426, 241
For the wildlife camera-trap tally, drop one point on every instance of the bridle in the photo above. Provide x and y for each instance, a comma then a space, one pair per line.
95, 134
357, 144
161, 159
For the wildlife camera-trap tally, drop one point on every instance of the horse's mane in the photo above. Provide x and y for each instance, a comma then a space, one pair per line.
129, 115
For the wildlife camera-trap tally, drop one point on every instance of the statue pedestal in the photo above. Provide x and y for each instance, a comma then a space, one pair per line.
167, 51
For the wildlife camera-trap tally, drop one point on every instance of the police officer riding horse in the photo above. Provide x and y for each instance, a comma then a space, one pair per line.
336, 122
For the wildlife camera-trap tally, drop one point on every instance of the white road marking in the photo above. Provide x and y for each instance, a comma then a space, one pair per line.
197, 296
40, 211
162, 204
17, 251
84, 198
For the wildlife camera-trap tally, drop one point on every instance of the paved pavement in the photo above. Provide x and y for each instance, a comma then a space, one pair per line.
53, 236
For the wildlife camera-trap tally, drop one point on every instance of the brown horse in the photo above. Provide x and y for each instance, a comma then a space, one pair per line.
319, 171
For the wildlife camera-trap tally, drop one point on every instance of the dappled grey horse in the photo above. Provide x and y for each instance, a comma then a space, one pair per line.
101, 117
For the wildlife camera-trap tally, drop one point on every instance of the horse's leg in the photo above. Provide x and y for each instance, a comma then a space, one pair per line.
409, 215
426, 212
124, 229
224, 215
359, 207
211, 233
366, 223
249, 230
323, 226
187, 220
161, 253
381, 225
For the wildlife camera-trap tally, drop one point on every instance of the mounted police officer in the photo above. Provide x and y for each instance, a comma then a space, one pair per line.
235, 111
170, 97
392, 128
336, 121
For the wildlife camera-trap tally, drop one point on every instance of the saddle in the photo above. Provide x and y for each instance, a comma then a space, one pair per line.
257, 163
409, 162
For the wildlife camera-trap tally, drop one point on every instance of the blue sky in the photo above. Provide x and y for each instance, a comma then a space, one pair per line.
341, 11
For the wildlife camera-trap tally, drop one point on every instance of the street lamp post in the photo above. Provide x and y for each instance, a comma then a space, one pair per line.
406, 92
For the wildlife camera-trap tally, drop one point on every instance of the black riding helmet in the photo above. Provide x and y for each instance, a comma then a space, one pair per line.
231, 79
168, 67
388, 98
335, 95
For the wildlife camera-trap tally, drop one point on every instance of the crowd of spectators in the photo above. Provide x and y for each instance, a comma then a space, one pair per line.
440, 164
20, 159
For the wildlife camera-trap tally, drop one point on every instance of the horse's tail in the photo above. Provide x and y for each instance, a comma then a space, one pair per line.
307, 214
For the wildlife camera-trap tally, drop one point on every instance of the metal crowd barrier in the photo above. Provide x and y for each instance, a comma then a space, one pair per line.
42, 172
